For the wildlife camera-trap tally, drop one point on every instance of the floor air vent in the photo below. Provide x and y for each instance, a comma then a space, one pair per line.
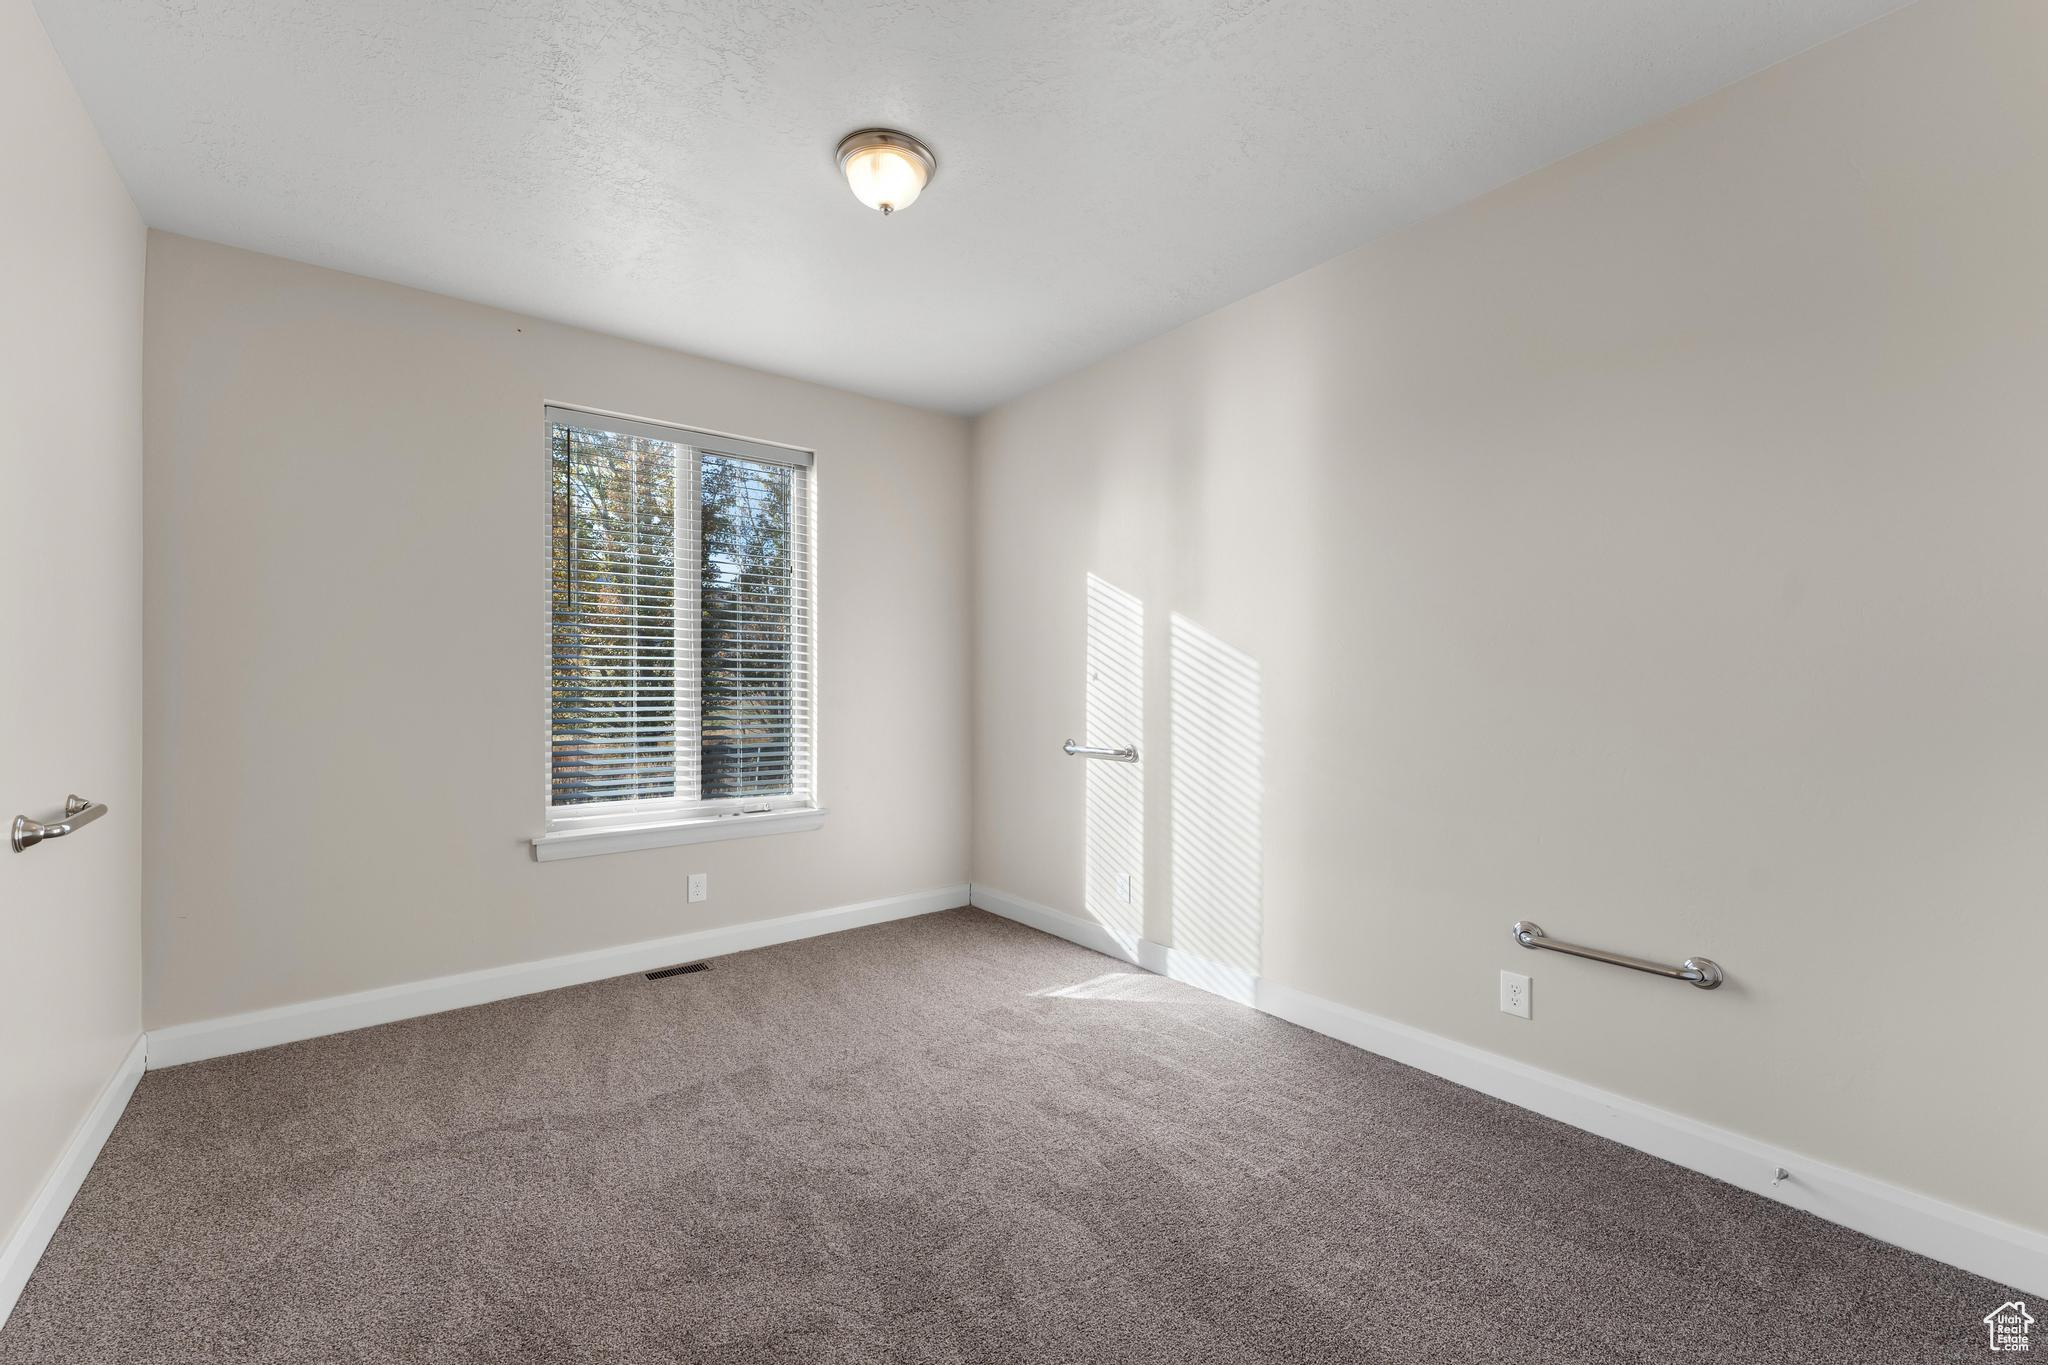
666, 972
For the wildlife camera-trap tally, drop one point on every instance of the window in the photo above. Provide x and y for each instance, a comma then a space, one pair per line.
680, 677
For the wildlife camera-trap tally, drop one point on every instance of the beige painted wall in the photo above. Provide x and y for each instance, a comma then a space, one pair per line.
71, 649
347, 510
1657, 549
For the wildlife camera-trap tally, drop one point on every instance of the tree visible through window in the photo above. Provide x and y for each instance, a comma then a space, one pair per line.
680, 621
747, 647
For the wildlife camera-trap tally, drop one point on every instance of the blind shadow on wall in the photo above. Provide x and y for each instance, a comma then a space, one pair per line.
1114, 885
1217, 802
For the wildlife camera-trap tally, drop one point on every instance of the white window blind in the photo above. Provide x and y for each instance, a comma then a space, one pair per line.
680, 612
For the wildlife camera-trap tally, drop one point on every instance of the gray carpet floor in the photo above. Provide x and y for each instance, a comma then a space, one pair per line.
946, 1139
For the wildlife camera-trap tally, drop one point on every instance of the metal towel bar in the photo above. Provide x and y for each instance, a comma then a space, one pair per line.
1703, 972
1127, 754
77, 811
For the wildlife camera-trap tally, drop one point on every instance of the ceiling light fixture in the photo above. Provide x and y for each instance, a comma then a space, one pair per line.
886, 169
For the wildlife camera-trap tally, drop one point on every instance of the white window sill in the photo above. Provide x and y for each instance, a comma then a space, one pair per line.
583, 843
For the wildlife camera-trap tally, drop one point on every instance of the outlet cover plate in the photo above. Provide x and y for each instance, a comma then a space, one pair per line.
700, 887
1514, 994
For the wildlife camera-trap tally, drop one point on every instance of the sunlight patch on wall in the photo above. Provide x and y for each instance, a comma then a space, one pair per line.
1218, 799
1114, 888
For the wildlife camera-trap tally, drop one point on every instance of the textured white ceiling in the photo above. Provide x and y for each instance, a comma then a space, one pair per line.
662, 169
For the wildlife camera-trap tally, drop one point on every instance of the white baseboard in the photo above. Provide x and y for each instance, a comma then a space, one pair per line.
24, 1246
196, 1042
2014, 1256
1060, 924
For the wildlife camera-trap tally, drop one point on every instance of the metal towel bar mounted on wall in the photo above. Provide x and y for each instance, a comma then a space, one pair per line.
1703, 972
1127, 754
77, 811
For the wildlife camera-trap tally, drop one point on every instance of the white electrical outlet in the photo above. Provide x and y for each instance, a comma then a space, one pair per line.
1514, 994
1123, 887
700, 890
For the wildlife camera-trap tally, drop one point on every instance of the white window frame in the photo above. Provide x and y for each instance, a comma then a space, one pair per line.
622, 826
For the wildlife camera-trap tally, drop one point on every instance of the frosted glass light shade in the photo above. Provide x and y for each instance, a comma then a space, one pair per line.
886, 170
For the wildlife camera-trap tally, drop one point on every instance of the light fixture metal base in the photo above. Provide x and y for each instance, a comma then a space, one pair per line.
864, 138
